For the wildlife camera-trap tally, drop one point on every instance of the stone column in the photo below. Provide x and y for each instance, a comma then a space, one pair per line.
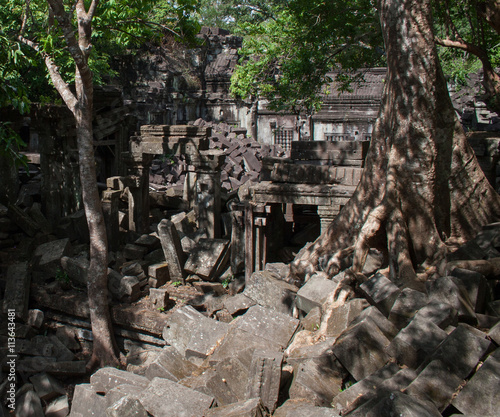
237, 238
110, 202
326, 215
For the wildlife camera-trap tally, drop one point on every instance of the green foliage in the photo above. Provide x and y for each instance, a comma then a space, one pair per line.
176, 283
227, 281
287, 57
62, 276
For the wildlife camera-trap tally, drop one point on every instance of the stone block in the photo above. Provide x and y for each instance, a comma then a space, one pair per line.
158, 297
205, 287
265, 377
341, 317
132, 251
49, 365
481, 395
170, 364
29, 405
249, 408
407, 304
35, 318
396, 404
121, 391
172, 249
193, 334
132, 268
416, 341
48, 346
207, 257
446, 290
59, 407
476, 286
17, 288
150, 242
46, 386
159, 273
49, 254
312, 321
441, 314
314, 292
267, 324
107, 378
380, 292
450, 364
301, 408
238, 303
494, 333
77, 268
361, 349
373, 314
268, 291
127, 407
23, 220
86, 402
165, 398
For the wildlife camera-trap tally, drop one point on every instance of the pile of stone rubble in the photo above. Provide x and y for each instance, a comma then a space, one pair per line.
256, 348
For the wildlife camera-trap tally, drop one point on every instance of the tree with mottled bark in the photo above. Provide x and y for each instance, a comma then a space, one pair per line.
422, 192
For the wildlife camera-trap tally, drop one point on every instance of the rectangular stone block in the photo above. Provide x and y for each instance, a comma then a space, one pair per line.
407, 304
170, 364
105, 379
314, 293
341, 317
265, 377
17, 290
249, 408
172, 249
206, 257
49, 254
86, 402
380, 292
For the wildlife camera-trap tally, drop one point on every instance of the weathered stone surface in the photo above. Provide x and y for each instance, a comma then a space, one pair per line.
207, 257
132, 251
165, 398
494, 333
265, 377
29, 405
396, 404
407, 304
127, 407
47, 346
46, 386
158, 297
441, 314
59, 407
446, 290
312, 321
279, 268
481, 395
170, 364
172, 249
350, 398
380, 292
453, 361
17, 290
238, 303
314, 292
23, 220
373, 314
249, 408
193, 334
341, 317
159, 273
124, 390
105, 379
150, 242
361, 349
32, 365
417, 340
268, 291
476, 286
86, 402
301, 408
77, 268
49, 254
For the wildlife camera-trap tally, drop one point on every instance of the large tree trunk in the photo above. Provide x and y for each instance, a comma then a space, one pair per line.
422, 188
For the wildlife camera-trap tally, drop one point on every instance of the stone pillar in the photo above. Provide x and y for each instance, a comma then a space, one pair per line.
326, 215
238, 238
208, 190
110, 202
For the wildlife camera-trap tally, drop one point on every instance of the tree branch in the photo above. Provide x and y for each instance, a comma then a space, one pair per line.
60, 85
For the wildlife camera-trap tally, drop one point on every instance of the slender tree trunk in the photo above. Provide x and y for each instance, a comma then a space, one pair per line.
422, 188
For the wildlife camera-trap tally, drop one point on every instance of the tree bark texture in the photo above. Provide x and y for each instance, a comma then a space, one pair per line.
422, 187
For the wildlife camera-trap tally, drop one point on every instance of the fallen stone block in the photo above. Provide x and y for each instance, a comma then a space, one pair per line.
301, 408
494, 333
314, 292
48, 346
407, 304
449, 365
361, 349
380, 292
416, 341
476, 286
107, 378
29, 405
172, 249
158, 274
207, 257
59, 407
205, 287
48, 255
312, 321
86, 402
194, 335
132, 251
23, 220
446, 290
35, 318
238, 303
124, 390
165, 398
150, 242
77, 268
265, 377
441, 314
132, 268
170, 364
373, 314
249, 408
341, 317
278, 268
17, 288
46, 386
158, 297
127, 407
268, 291
396, 404
481, 396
